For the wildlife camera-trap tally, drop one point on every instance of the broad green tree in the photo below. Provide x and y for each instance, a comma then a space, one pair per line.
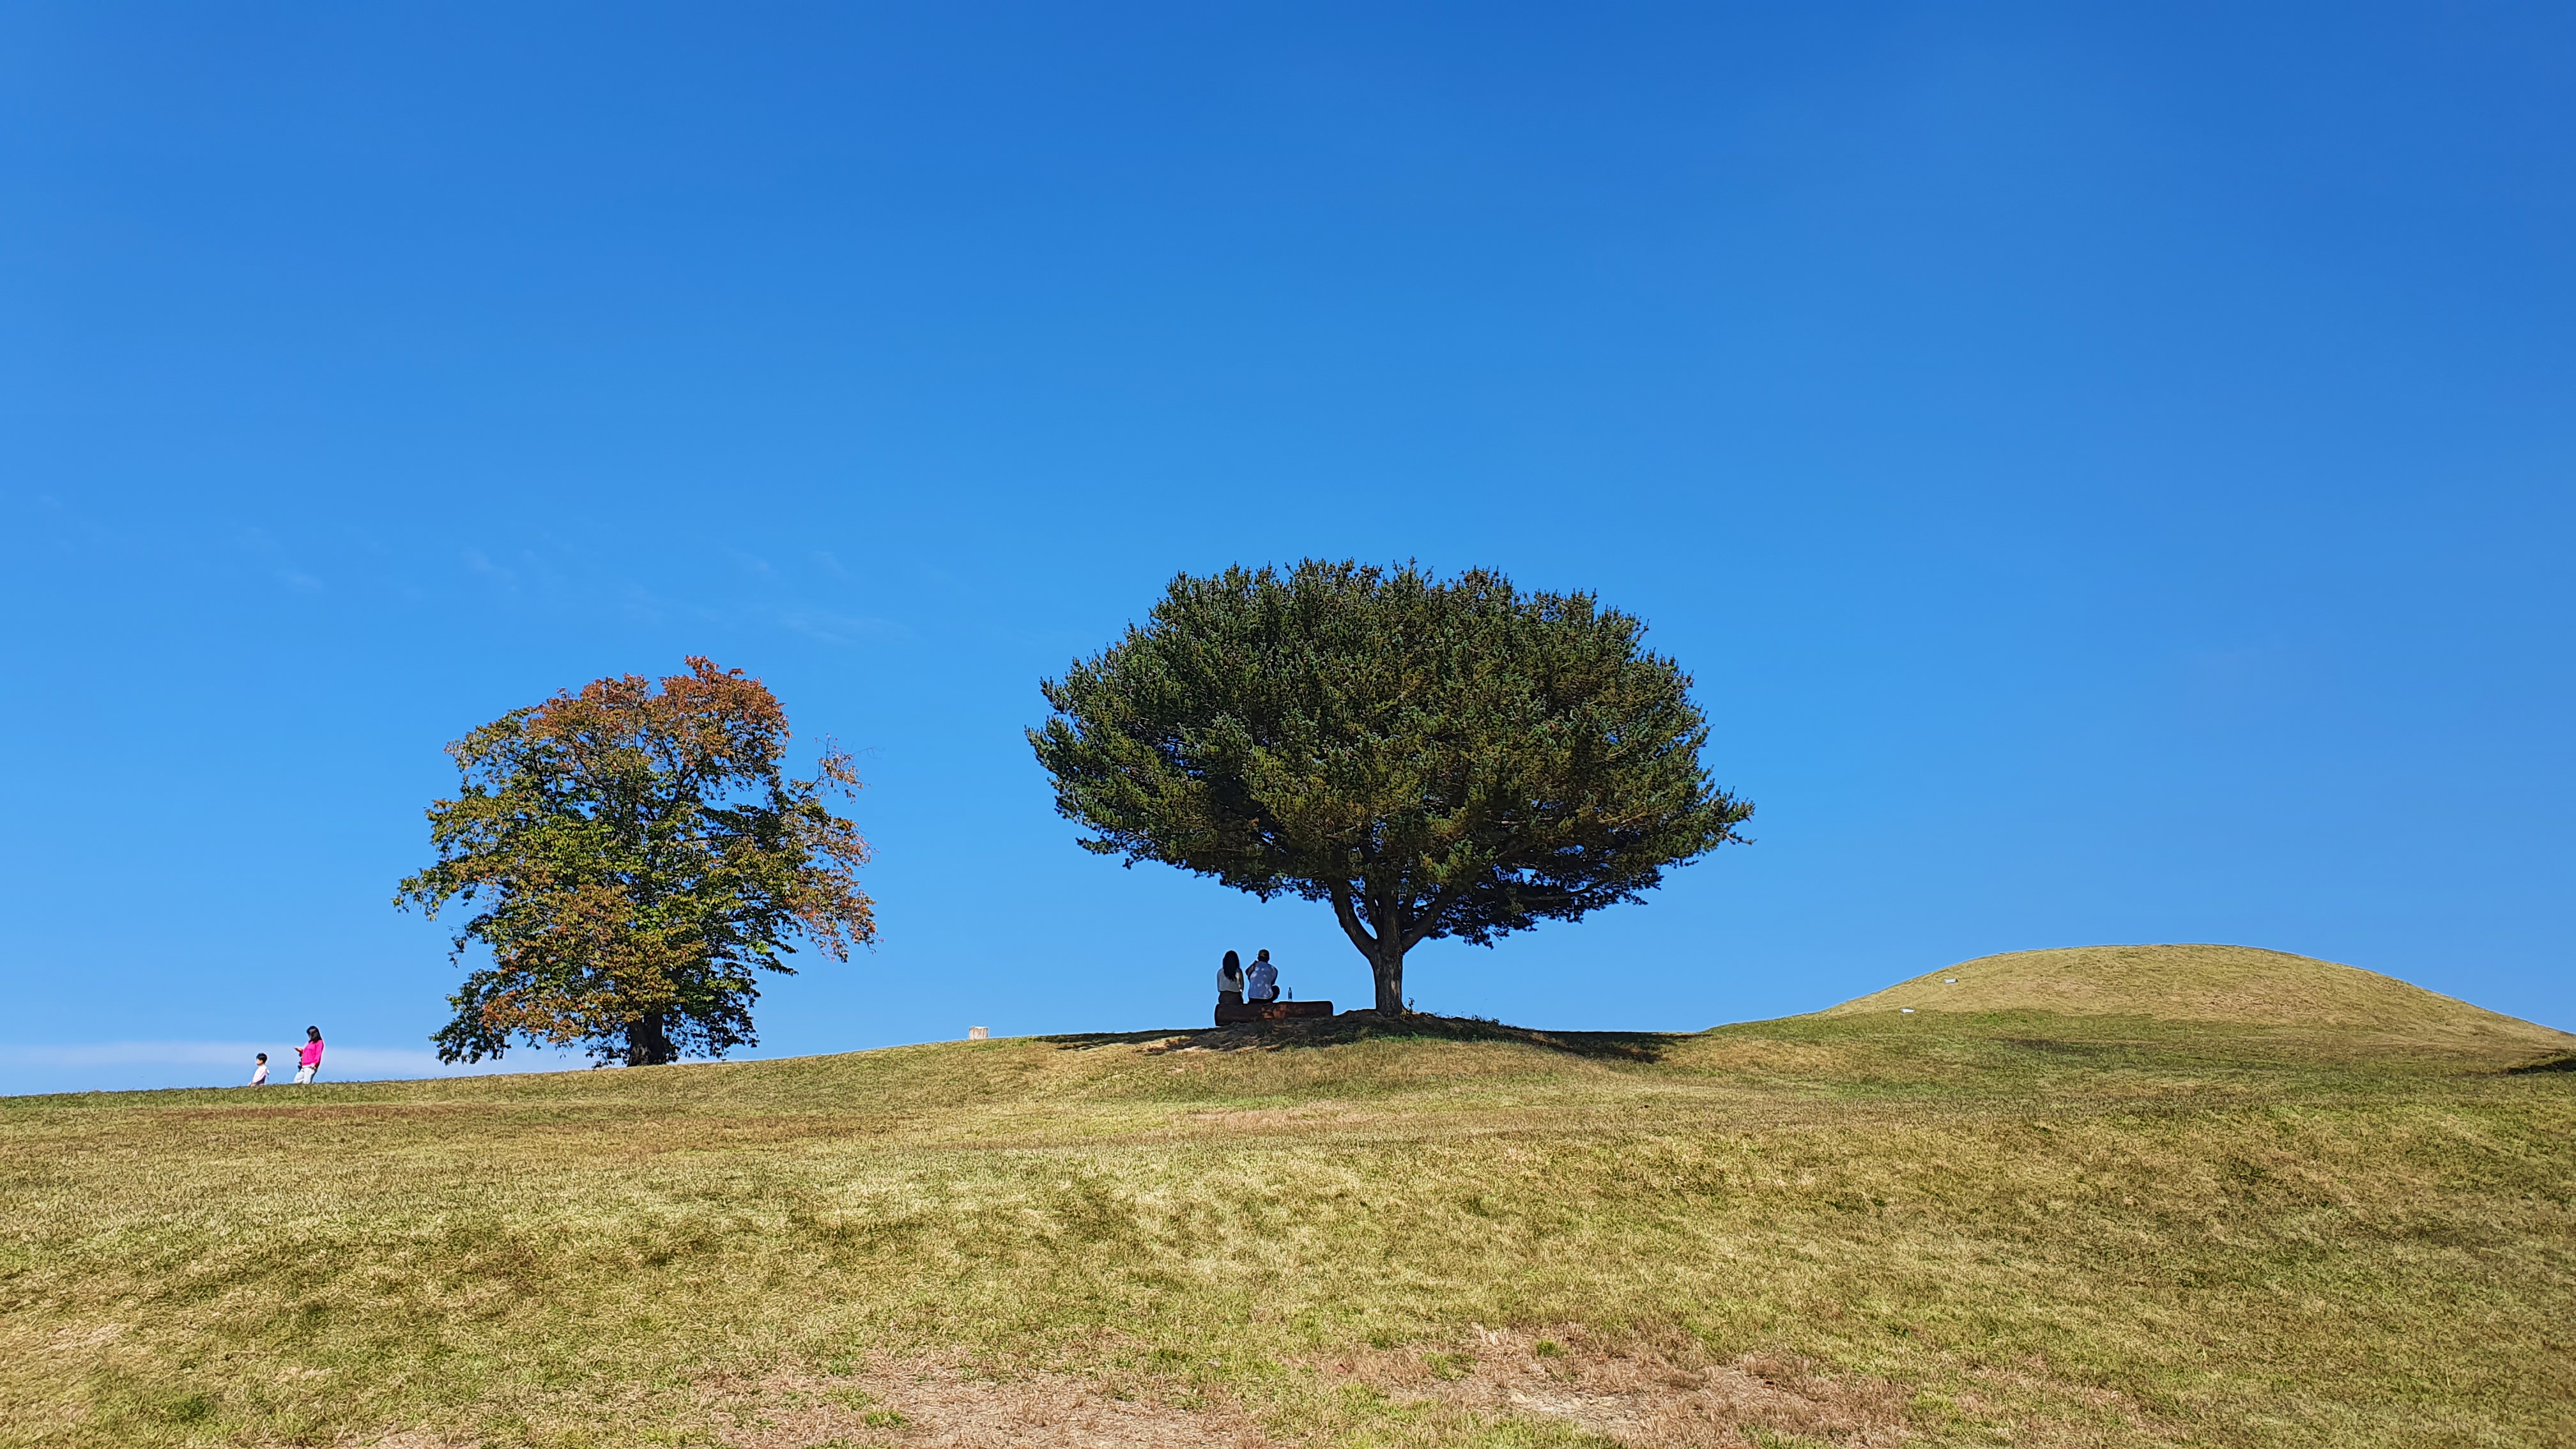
637, 855
1434, 758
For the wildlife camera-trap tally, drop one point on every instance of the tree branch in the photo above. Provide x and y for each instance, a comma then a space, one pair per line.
1429, 919
1350, 920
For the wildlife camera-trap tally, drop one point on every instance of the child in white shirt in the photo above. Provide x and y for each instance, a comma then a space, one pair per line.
259, 1073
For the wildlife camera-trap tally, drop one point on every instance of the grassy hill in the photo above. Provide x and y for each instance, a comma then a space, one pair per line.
2060, 1209
2236, 985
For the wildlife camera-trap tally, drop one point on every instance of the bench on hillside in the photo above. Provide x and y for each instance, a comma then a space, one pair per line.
1271, 1011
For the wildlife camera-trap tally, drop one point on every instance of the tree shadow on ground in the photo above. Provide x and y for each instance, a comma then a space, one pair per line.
1358, 1026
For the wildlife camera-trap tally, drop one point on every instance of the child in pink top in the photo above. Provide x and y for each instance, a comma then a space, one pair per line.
259, 1071
308, 1058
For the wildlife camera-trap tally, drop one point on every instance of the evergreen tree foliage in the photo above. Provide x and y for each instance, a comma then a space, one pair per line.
1434, 758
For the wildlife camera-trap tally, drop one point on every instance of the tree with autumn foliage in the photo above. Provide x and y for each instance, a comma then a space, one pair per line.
1433, 757
638, 854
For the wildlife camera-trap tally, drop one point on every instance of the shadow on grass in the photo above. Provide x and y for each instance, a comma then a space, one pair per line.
1358, 1026
2563, 1062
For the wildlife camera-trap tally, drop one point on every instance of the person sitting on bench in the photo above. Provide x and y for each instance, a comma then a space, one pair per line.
1263, 978
1229, 981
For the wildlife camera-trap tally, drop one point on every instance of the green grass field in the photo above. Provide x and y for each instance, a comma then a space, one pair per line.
2124, 1196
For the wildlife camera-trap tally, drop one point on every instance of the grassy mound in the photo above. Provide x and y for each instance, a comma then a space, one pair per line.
2214, 984
1852, 1229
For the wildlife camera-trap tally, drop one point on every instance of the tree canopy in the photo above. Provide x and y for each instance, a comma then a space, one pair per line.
638, 854
1434, 758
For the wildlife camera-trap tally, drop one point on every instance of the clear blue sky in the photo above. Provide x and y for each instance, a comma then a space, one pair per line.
2108, 470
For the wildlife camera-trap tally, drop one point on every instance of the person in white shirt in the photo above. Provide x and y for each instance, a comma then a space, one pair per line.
1229, 981
1262, 978
259, 1071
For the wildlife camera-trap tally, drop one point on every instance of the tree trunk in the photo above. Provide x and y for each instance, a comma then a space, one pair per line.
1387, 965
1384, 948
647, 1045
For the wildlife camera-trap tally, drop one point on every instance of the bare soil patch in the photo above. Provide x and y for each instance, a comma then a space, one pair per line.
923, 1403
1641, 1396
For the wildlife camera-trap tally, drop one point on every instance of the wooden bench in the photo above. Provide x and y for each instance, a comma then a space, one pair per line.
1271, 1011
